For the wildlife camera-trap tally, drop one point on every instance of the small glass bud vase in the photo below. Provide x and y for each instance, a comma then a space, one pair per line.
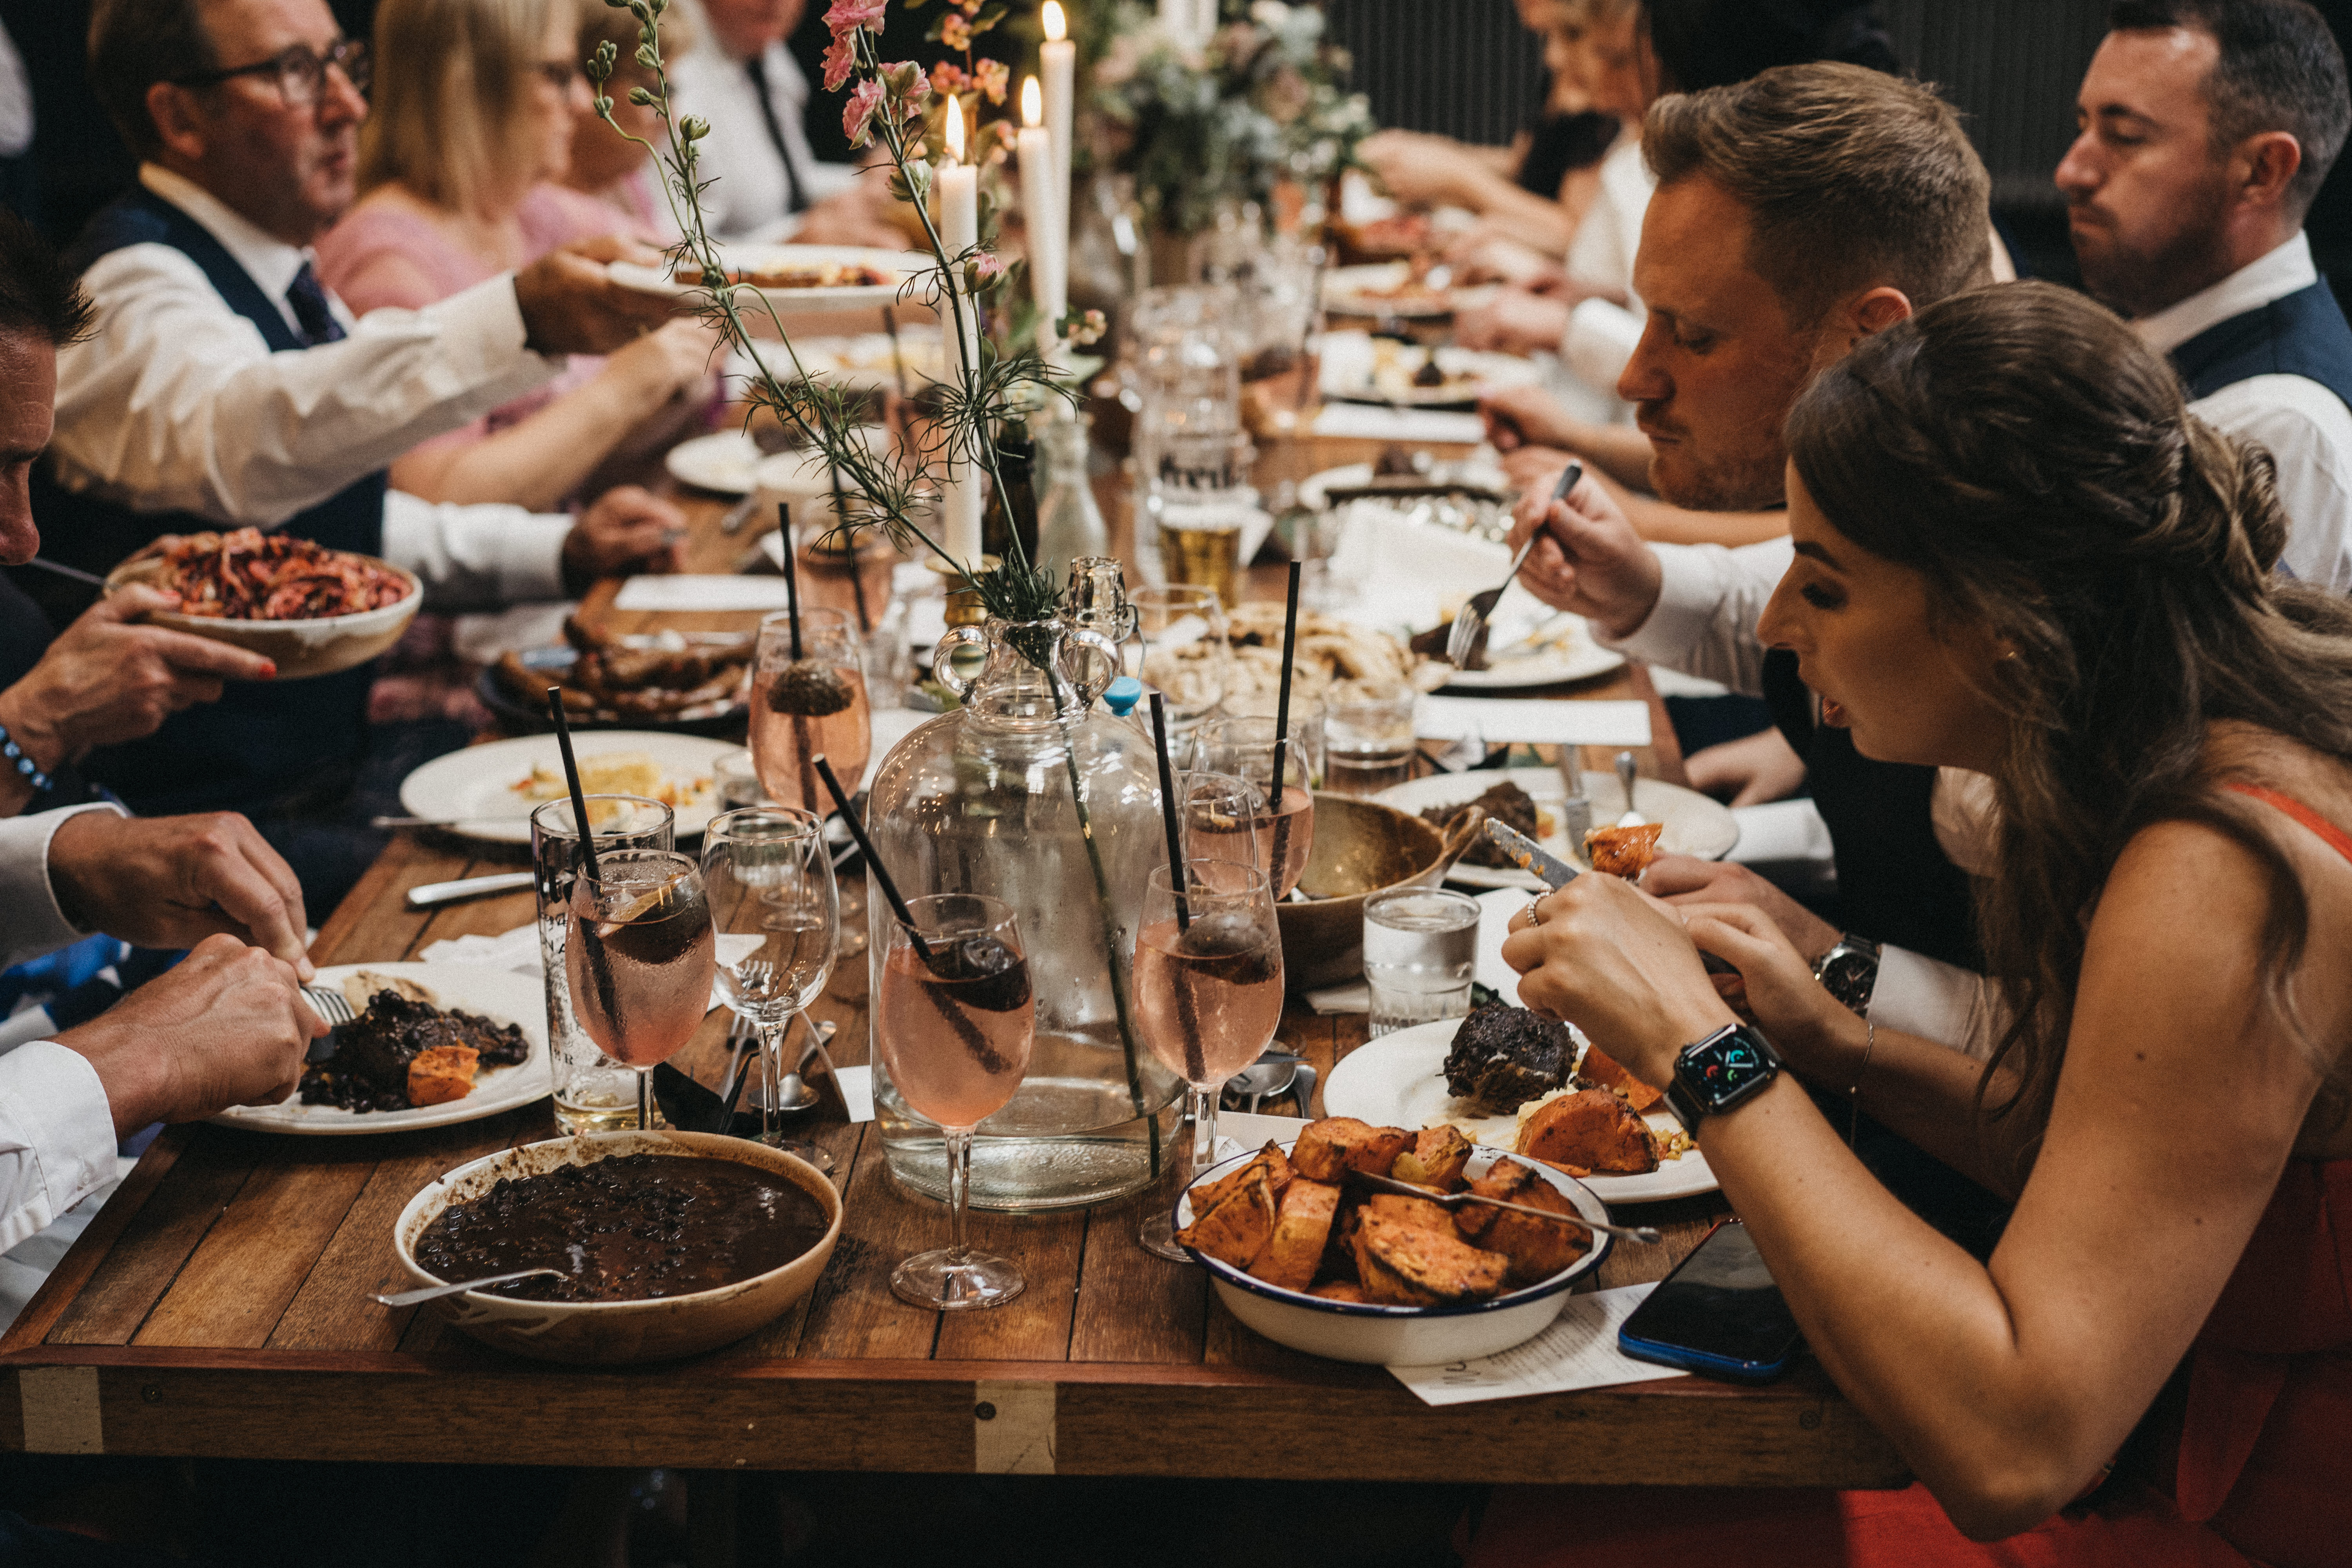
1070, 520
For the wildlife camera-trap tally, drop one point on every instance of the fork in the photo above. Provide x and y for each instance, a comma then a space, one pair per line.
1463, 638
1449, 1200
336, 1009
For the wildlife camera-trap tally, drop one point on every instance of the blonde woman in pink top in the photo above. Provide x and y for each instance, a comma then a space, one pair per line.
475, 106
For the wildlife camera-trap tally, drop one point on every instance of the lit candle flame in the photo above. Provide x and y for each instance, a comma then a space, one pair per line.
1033, 104
955, 129
1055, 29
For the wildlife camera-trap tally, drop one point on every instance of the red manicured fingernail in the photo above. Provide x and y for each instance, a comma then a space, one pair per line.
269, 669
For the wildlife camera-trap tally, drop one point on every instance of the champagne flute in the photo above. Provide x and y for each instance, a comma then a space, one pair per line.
777, 914
1208, 994
1246, 748
812, 705
954, 1020
638, 956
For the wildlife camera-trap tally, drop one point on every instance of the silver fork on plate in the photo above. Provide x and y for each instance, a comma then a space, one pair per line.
1463, 638
334, 1007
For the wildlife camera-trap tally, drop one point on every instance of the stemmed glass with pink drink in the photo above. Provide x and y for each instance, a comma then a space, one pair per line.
954, 1021
808, 699
1208, 993
639, 956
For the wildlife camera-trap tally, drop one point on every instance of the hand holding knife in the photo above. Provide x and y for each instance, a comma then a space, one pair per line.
1556, 873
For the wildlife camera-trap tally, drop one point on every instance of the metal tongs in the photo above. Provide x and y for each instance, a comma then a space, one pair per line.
1451, 1201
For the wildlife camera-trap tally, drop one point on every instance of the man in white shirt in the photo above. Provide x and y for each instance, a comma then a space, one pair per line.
766, 183
222, 385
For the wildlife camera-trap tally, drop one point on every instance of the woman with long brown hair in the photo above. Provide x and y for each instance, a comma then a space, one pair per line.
2017, 553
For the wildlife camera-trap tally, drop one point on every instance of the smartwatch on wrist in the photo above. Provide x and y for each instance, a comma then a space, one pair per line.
1849, 972
1724, 1070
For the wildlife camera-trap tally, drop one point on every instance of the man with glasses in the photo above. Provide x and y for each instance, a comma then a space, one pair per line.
222, 385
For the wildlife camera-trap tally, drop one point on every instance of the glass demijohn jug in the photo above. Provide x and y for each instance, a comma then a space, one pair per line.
1028, 794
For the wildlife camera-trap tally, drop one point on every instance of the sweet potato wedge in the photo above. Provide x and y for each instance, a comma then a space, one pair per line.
1408, 1211
1435, 1160
1536, 1248
1270, 1159
1591, 1127
1599, 1067
1436, 1265
1237, 1229
1339, 1143
1295, 1252
441, 1074
1382, 1285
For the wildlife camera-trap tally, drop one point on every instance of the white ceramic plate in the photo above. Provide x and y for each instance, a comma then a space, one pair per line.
1395, 1081
1379, 1335
497, 994
1530, 644
1466, 371
1363, 291
477, 784
1314, 490
899, 264
863, 361
1696, 824
726, 461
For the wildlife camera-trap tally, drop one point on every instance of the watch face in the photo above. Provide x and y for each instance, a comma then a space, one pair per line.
1849, 976
1721, 1070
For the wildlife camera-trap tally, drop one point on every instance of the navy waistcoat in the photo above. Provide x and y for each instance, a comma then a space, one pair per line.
2303, 334
264, 745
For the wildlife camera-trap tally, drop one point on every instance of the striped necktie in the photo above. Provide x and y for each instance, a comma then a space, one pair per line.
310, 301
756, 68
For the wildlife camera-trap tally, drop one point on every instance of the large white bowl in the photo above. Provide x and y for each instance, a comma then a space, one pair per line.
615, 1332
324, 645
1402, 1336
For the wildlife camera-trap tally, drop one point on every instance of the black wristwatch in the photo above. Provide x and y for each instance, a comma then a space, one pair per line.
1725, 1069
1849, 972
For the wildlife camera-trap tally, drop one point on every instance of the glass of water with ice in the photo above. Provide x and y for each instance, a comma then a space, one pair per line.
1420, 945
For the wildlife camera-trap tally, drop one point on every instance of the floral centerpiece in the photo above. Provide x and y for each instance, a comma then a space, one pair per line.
1262, 101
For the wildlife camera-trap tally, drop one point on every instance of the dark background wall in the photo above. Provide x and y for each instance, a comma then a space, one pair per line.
1461, 67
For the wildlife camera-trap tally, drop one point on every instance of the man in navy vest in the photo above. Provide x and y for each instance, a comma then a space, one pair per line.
222, 385
2206, 127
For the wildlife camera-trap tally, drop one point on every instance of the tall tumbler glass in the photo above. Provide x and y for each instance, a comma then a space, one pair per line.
1246, 748
593, 1093
1420, 949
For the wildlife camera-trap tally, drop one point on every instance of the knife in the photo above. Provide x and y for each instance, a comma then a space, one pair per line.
1555, 873
1576, 810
431, 895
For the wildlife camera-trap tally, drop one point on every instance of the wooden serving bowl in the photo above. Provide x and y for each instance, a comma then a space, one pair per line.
300, 648
613, 1333
1360, 847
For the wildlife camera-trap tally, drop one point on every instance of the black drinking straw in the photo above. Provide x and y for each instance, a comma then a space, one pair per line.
600, 966
1282, 701
856, 577
873, 861
1168, 813
792, 578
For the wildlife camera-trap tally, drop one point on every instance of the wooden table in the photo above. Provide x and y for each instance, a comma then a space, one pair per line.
218, 1306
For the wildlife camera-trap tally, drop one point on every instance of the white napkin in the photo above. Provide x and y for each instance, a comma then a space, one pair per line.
857, 1091
516, 949
1781, 830
691, 591
1578, 1350
1532, 721
1355, 996
1495, 911
1370, 422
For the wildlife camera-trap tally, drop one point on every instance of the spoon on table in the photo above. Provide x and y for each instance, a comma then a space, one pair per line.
434, 1292
1272, 1074
1449, 1200
1463, 638
1625, 781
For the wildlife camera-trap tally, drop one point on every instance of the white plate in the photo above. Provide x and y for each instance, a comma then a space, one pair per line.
497, 994
476, 784
902, 263
727, 461
1466, 370
1395, 1081
1359, 291
1537, 645
1696, 824
1314, 490
863, 361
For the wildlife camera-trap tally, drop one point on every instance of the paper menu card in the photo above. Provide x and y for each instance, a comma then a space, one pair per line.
1532, 721
1373, 423
690, 590
1578, 1350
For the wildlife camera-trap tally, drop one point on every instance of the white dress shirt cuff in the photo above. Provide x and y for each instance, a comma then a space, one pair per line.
36, 925
1936, 1001
1703, 623
475, 557
57, 1136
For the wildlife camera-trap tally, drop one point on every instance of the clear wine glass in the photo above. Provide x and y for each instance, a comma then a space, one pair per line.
1245, 748
638, 956
1184, 654
813, 706
1208, 996
777, 914
1222, 816
954, 1020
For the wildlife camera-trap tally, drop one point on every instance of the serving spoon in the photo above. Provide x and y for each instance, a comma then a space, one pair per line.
434, 1292
1449, 1200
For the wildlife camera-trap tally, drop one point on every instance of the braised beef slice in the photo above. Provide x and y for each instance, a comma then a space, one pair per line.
1504, 1057
1508, 804
369, 1070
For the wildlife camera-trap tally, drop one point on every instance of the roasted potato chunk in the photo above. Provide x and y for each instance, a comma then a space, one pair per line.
1237, 1229
1432, 1264
1295, 1252
1599, 1067
1591, 1127
1408, 1211
441, 1074
1537, 1249
1435, 1160
1270, 1159
1340, 1143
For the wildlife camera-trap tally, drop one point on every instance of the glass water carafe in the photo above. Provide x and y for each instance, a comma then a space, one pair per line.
1028, 795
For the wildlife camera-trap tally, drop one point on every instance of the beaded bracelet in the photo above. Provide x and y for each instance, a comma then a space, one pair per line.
25, 764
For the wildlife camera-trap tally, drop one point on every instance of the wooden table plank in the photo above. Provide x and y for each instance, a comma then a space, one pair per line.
141, 1266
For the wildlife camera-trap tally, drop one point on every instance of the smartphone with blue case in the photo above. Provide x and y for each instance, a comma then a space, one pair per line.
1718, 1314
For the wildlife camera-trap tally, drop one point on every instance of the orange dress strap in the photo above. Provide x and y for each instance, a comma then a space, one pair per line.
2338, 839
